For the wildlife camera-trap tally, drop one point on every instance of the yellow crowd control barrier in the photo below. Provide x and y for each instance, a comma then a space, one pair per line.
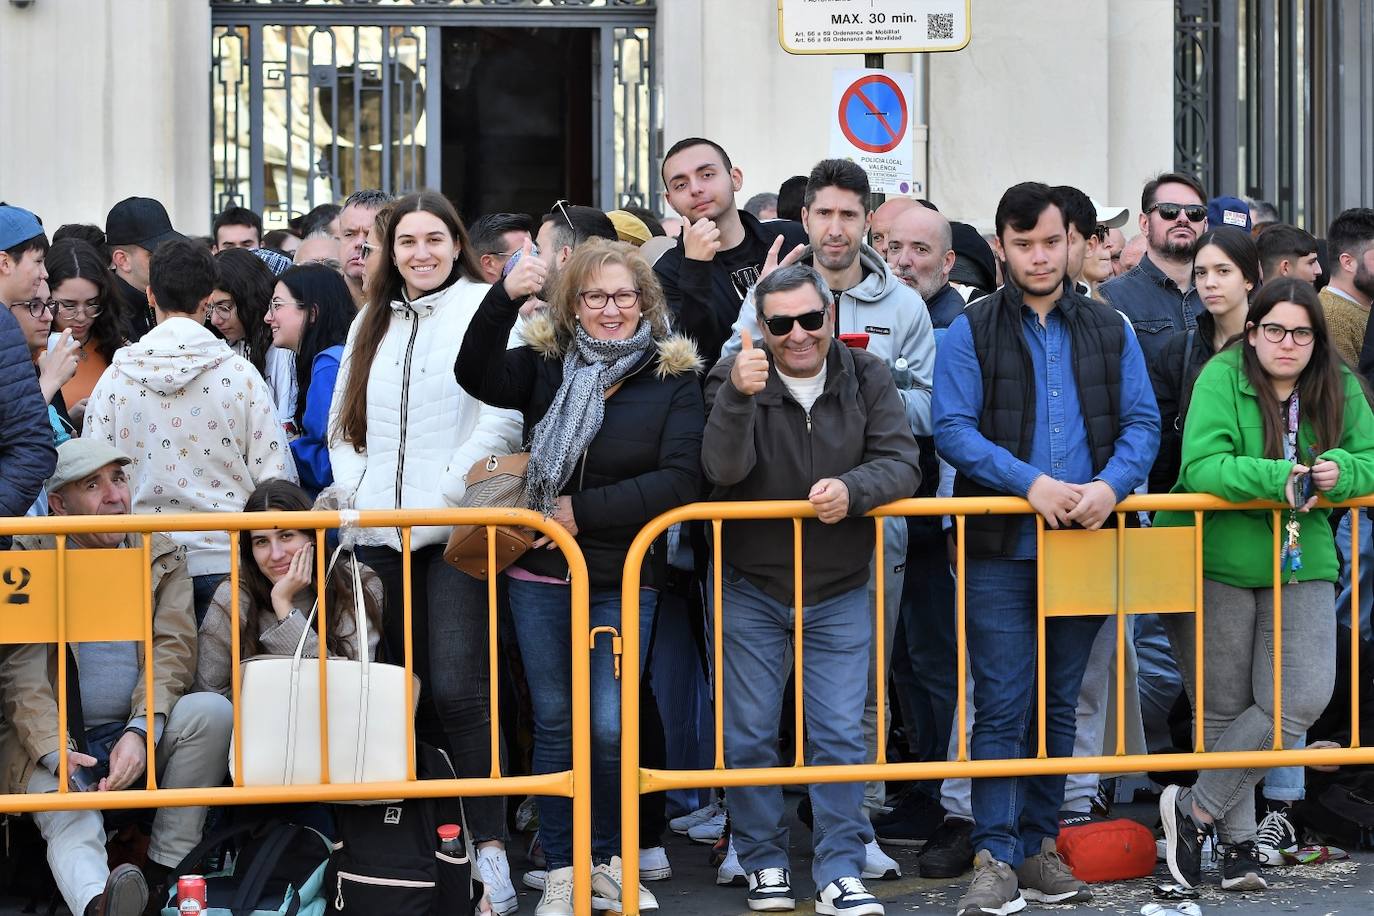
1111, 572
66, 596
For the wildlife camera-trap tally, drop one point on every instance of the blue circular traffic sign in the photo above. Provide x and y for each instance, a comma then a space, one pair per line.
873, 114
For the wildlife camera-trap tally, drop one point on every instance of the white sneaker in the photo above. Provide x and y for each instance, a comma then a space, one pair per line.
606, 889
847, 897
709, 830
880, 865
494, 871
558, 894
1276, 834
535, 878
731, 873
654, 865
680, 825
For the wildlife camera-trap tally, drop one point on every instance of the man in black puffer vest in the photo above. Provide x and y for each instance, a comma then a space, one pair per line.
1040, 393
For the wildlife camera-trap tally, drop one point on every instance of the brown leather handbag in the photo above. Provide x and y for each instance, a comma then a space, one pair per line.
497, 481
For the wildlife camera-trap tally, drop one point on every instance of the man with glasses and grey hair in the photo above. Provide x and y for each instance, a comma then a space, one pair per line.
355, 221
802, 418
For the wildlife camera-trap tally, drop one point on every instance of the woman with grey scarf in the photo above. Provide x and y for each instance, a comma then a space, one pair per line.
613, 418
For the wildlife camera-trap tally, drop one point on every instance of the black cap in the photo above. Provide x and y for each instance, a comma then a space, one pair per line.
973, 261
139, 221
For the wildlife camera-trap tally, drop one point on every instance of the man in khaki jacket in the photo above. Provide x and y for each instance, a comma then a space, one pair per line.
107, 714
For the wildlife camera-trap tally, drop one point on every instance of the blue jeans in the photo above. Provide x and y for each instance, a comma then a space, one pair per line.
757, 638
1013, 815
541, 612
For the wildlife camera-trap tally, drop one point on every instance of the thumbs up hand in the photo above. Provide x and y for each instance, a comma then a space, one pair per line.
527, 276
750, 372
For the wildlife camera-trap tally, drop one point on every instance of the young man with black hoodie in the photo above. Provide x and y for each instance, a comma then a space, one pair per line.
133, 229
721, 250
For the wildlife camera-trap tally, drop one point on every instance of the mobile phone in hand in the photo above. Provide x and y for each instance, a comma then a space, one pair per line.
87, 779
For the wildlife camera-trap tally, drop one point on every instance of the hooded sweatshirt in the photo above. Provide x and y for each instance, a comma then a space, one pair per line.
198, 423
896, 321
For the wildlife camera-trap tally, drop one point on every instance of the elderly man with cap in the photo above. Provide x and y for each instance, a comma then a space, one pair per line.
133, 229
107, 708
26, 442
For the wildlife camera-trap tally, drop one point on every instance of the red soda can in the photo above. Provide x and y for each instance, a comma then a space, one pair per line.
191, 894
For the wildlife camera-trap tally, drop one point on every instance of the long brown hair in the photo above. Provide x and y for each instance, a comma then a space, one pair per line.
276, 495
385, 287
1321, 382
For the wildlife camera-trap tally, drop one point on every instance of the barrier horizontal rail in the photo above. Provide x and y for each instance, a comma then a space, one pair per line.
1059, 602
565, 783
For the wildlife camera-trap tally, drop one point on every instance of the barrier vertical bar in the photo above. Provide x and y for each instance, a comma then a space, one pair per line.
1278, 632
879, 642
493, 672
1121, 620
409, 653
579, 630
1040, 635
800, 716
1355, 514
63, 765
717, 650
1199, 637
235, 652
150, 705
961, 634
322, 651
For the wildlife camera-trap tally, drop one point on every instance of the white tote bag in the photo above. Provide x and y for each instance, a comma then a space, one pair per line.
280, 697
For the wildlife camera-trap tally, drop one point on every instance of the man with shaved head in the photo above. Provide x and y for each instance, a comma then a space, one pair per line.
920, 251
883, 217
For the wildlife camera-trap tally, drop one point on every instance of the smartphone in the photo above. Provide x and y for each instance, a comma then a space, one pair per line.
87, 779
1302, 490
858, 340
510, 264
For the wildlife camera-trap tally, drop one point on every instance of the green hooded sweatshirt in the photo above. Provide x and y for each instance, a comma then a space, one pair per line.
1223, 449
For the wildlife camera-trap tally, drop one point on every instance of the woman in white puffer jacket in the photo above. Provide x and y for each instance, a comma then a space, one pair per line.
402, 436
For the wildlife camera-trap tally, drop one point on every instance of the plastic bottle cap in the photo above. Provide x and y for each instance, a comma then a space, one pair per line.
449, 831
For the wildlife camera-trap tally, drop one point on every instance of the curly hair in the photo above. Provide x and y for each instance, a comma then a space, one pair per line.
590, 258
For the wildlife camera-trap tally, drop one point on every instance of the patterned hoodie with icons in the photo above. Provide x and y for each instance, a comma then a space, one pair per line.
200, 427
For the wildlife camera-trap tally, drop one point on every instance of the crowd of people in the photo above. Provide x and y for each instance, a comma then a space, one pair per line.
801, 347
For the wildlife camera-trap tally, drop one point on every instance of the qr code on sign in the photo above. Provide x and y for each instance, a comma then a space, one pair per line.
940, 26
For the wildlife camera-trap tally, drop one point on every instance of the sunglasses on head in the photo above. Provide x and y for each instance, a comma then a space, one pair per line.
781, 325
1196, 213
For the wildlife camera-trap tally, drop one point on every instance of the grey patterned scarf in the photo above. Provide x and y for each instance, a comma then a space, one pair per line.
556, 445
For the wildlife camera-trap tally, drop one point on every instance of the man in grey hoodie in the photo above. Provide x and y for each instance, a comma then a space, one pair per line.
868, 299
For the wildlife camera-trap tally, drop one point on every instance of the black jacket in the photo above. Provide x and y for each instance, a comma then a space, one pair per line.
135, 311
1172, 375
645, 460
704, 298
768, 447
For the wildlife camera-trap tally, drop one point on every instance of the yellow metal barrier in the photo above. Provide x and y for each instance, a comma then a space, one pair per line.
1134, 571
75, 596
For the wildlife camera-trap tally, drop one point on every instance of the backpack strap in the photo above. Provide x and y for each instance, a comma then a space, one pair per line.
264, 864
191, 863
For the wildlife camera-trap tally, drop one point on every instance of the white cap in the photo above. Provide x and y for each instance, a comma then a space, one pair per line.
1111, 217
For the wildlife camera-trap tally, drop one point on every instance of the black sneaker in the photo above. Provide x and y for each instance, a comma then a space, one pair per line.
1183, 836
911, 823
1240, 867
949, 851
770, 890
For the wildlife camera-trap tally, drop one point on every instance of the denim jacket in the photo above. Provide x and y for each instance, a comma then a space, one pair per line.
1157, 308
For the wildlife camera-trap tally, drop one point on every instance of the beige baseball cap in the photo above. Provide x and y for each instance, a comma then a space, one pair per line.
78, 458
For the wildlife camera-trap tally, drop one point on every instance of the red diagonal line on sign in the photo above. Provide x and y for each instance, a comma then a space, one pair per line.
873, 109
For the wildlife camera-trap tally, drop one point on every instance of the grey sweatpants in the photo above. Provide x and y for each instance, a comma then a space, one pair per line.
1238, 714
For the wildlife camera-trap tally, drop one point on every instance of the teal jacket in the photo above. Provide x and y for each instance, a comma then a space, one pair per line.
1223, 448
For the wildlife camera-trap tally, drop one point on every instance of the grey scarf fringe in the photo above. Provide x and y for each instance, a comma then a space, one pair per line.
574, 418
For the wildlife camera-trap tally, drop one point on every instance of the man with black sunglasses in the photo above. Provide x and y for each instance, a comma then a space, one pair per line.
1157, 294
804, 417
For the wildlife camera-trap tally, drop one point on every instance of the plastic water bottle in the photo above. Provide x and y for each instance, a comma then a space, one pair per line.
449, 842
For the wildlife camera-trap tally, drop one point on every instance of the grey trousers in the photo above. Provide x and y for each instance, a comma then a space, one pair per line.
1238, 714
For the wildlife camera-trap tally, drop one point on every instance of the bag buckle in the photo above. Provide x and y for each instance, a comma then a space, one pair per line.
491, 463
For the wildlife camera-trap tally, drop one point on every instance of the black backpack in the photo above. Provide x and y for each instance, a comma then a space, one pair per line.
387, 860
279, 869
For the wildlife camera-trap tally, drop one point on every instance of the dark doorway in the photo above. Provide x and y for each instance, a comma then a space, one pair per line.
518, 118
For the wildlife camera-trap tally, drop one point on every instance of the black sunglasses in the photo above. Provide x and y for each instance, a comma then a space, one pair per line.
1196, 213
781, 325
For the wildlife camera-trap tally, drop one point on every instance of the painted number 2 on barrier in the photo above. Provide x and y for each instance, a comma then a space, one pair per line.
104, 595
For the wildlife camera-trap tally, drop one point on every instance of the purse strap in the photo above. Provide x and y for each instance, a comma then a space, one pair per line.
360, 633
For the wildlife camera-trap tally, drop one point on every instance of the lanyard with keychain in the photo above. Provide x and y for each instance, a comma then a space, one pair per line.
1290, 557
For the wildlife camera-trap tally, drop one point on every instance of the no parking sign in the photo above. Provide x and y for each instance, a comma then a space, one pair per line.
871, 124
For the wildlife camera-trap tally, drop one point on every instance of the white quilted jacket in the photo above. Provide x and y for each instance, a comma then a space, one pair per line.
423, 431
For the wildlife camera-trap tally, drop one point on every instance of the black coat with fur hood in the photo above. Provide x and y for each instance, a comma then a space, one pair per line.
646, 458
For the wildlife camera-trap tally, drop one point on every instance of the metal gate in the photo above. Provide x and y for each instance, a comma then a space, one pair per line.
310, 101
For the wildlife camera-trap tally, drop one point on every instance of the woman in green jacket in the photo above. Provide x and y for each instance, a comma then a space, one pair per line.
1276, 416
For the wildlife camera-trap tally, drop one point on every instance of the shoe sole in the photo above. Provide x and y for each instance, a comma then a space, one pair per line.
126, 894
773, 905
892, 874
934, 872
1168, 818
738, 880
706, 840
864, 909
1082, 895
1011, 906
615, 906
656, 874
1247, 882
530, 881
506, 905
904, 842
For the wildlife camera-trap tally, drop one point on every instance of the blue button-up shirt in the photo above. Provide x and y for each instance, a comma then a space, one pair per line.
1059, 444
1154, 303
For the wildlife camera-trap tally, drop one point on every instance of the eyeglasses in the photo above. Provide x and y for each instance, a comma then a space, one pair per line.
37, 307
66, 309
781, 325
1196, 213
221, 307
596, 299
281, 304
562, 207
1275, 333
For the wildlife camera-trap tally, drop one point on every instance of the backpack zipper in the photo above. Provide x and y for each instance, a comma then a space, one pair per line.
377, 882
